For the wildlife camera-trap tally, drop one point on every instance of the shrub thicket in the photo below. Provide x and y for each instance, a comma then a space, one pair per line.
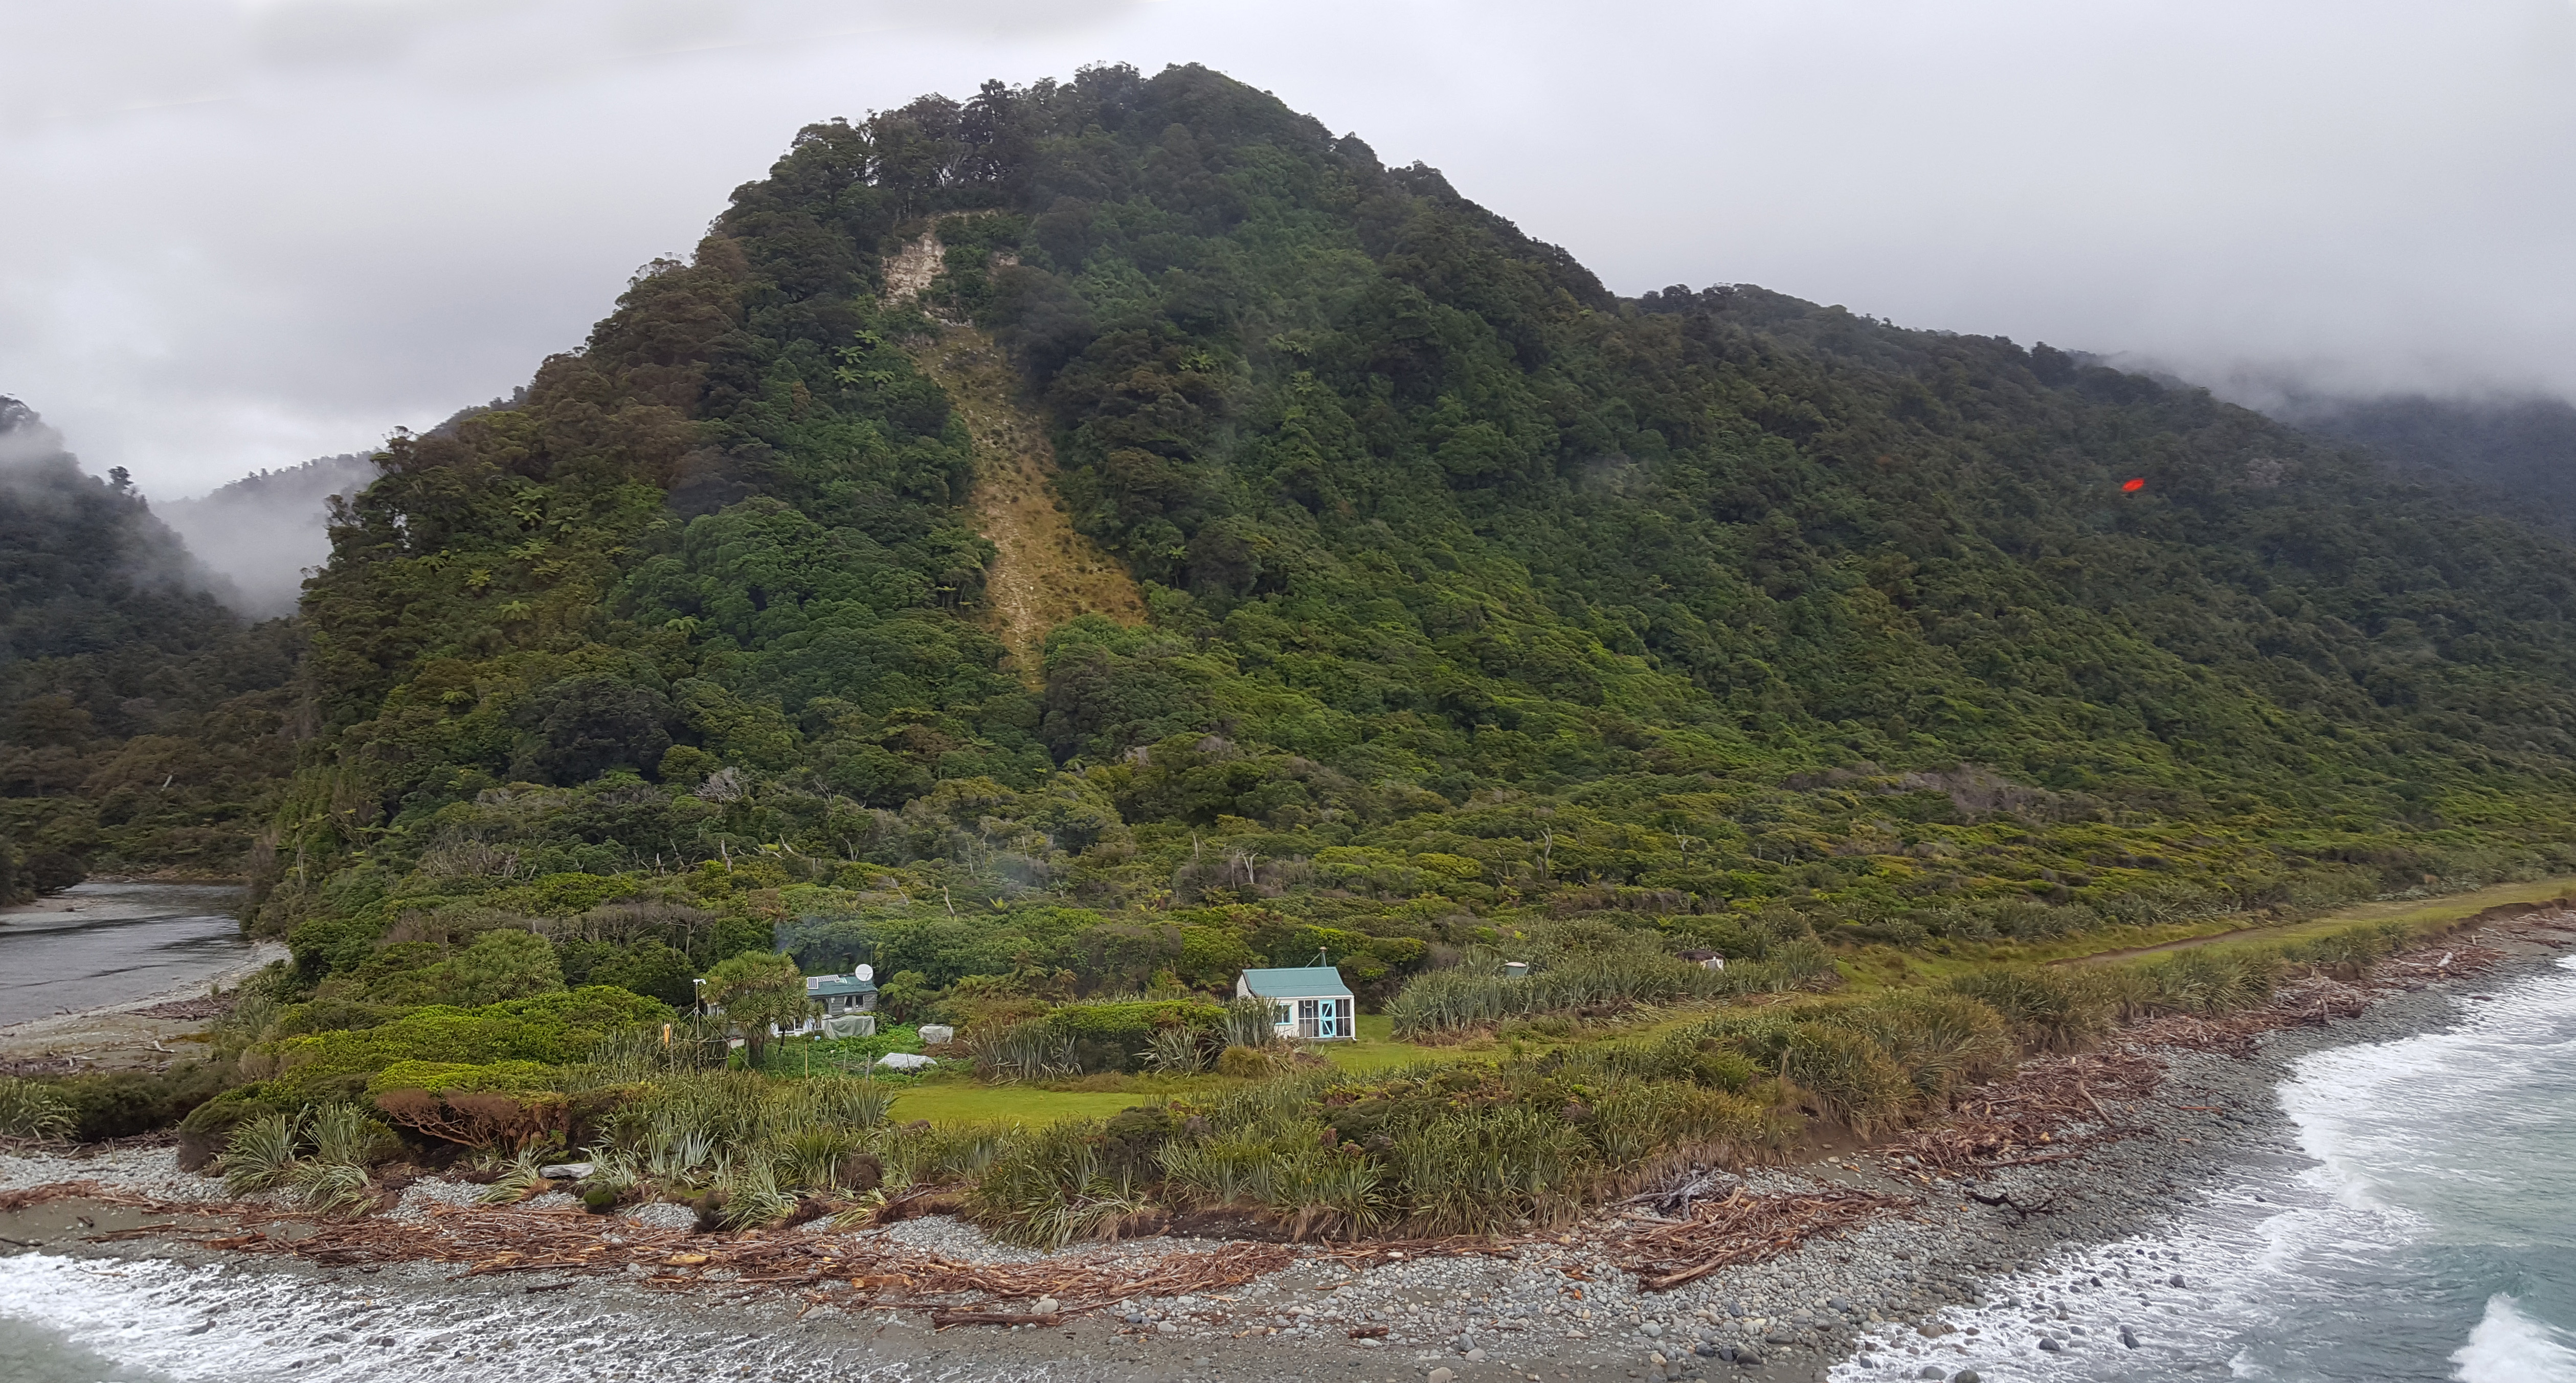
551, 1028
1481, 995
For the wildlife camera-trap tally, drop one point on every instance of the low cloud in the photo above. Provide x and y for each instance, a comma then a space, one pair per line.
263, 533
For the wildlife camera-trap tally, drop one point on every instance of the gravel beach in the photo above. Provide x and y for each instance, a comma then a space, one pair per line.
1885, 1300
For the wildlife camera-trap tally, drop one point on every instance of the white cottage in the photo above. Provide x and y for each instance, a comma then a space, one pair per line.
1309, 1002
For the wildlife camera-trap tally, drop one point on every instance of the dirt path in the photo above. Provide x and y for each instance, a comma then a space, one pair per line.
2458, 905
1044, 572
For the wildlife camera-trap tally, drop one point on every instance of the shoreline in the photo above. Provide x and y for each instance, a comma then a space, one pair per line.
1886, 1291
2215, 1128
121, 1034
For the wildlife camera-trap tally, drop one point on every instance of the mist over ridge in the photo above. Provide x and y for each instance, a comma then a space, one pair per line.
264, 531
77, 547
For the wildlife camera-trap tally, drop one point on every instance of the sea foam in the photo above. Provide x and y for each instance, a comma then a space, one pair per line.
2510, 1347
153, 1319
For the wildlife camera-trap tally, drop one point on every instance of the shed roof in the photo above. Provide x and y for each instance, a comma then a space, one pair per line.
825, 986
1299, 982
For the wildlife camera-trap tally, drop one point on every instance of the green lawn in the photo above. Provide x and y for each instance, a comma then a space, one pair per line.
958, 1098
971, 1101
1376, 1048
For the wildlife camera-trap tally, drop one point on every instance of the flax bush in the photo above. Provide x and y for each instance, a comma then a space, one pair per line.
1250, 1022
261, 1153
320, 1155
2049, 1010
945, 1154
1046, 1188
2209, 981
1488, 1169
750, 1143
1942, 1042
1177, 1052
29, 1110
2358, 948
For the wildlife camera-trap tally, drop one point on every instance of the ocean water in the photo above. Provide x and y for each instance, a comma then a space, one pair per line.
104, 943
2428, 1232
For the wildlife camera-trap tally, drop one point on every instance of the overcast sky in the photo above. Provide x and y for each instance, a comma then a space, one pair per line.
239, 233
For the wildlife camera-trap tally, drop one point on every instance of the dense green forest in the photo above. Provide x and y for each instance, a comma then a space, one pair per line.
1479, 595
146, 724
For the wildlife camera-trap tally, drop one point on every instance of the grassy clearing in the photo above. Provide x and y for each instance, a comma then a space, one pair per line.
955, 1099
1377, 1049
967, 1101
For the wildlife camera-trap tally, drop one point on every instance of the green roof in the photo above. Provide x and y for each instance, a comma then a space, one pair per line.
1300, 982
826, 986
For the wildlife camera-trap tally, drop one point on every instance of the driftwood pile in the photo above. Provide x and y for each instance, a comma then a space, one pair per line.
1743, 1228
2052, 1108
834, 1270
2313, 1000
2048, 1111
2318, 998
216, 1006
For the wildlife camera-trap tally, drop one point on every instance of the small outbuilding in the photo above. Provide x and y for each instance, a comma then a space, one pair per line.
1309, 1002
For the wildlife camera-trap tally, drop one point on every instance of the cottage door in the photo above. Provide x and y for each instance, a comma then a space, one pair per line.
1328, 1018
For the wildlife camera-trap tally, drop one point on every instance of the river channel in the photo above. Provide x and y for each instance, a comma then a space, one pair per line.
107, 943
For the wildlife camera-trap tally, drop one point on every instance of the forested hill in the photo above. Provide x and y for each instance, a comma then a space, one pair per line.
144, 718
1474, 588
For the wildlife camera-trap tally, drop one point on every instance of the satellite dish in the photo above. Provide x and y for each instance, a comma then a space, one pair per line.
865, 973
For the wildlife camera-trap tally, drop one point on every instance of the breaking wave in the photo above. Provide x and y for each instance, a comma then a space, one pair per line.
2423, 1226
